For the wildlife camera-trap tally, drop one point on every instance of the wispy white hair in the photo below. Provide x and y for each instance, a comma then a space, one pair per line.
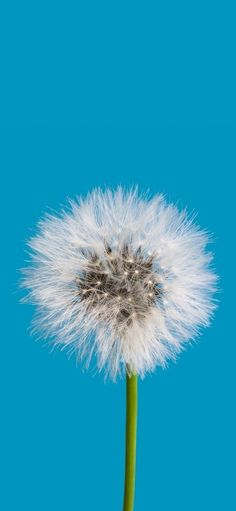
122, 277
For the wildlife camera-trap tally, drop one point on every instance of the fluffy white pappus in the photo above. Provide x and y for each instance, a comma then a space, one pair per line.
120, 277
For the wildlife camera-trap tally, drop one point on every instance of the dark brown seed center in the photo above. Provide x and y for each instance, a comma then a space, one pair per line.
122, 279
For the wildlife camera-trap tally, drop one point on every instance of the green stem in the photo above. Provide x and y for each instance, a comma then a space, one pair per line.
131, 431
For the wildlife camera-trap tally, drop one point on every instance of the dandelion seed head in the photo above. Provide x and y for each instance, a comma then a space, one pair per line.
122, 277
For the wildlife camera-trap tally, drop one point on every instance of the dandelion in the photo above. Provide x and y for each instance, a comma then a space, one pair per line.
123, 278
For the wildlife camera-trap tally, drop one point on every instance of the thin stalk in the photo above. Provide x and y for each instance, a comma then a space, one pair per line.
131, 432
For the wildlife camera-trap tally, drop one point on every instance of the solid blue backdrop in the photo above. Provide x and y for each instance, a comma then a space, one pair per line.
104, 94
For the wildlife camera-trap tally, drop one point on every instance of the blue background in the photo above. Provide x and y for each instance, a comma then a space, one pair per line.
111, 93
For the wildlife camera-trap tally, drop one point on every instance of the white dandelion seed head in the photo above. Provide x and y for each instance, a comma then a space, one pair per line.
126, 278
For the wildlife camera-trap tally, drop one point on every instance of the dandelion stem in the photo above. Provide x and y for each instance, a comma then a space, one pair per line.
131, 431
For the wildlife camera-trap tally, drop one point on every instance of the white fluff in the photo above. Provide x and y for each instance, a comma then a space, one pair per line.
159, 327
